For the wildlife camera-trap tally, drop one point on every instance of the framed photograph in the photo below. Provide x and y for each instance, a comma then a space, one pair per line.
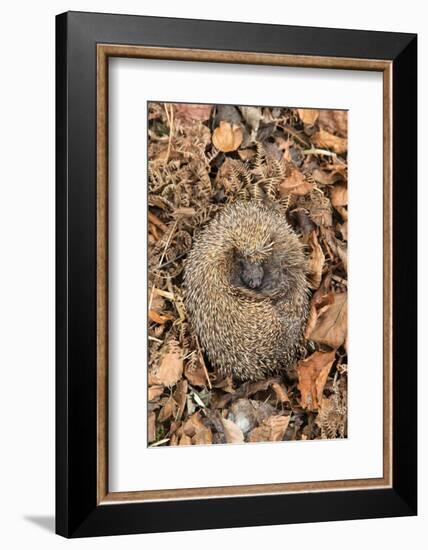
236, 274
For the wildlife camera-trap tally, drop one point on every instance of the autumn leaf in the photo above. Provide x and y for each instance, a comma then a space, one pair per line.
334, 121
331, 327
295, 184
185, 440
339, 195
232, 431
151, 427
169, 409
280, 392
271, 429
155, 392
227, 137
180, 395
308, 116
170, 369
312, 373
325, 140
326, 178
320, 302
192, 112
158, 318
195, 374
315, 262
196, 429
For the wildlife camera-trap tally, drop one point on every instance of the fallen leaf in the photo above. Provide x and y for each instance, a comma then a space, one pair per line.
157, 318
168, 410
334, 121
272, 429
281, 392
246, 154
151, 427
343, 228
180, 395
203, 437
227, 137
315, 262
343, 212
185, 440
192, 112
319, 303
339, 195
308, 116
232, 432
195, 374
196, 429
325, 140
170, 369
326, 178
157, 222
154, 392
312, 373
332, 325
295, 184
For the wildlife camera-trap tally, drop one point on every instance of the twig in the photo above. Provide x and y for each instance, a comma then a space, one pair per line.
171, 130
158, 443
325, 152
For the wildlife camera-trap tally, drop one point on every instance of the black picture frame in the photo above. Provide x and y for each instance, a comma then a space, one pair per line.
77, 512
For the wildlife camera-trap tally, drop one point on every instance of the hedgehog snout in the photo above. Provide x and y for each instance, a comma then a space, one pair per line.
252, 274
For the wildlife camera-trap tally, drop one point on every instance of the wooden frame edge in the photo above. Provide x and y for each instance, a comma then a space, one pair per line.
104, 51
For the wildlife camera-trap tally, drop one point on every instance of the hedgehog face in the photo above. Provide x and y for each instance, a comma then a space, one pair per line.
250, 273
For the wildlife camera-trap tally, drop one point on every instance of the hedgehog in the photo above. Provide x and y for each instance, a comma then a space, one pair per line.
246, 293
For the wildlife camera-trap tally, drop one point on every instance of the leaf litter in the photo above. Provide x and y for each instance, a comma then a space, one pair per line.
202, 157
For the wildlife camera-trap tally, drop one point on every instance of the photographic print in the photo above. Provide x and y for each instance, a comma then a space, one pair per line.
247, 274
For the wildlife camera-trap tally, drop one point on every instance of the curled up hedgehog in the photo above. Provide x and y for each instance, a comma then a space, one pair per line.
246, 291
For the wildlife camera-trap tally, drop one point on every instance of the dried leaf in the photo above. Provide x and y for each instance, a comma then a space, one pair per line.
180, 395
325, 140
227, 137
343, 228
308, 116
335, 122
319, 303
312, 373
281, 392
272, 429
326, 178
192, 112
168, 410
332, 325
154, 392
170, 369
196, 429
246, 154
151, 427
316, 261
295, 184
232, 432
185, 440
157, 318
195, 374
339, 195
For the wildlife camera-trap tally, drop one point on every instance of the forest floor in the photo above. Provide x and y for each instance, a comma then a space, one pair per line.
202, 157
